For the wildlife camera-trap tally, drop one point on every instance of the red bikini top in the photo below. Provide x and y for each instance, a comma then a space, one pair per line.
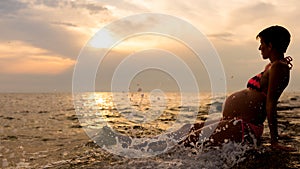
254, 82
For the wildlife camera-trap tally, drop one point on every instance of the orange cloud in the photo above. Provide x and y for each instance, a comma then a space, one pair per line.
20, 58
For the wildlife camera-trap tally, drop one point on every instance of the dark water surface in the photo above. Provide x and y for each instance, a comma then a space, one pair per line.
43, 131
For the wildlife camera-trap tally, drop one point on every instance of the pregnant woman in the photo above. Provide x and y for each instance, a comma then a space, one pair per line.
245, 111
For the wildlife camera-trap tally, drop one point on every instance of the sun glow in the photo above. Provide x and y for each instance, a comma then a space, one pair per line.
29, 59
102, 39
100, 100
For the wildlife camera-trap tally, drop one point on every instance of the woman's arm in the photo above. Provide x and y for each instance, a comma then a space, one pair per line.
275, 88
278, 80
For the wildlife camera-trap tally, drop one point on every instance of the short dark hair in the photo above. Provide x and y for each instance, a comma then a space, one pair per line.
278, 36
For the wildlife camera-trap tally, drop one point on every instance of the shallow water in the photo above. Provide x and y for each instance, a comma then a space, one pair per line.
44, 131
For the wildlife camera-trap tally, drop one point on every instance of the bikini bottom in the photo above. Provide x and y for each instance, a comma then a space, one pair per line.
251, 132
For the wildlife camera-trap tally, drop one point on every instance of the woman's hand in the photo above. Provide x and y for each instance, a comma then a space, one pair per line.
277, 146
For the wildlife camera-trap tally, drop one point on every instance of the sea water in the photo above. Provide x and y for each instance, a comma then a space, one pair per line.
45, 130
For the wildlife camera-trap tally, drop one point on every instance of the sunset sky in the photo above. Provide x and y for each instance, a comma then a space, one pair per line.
41, 39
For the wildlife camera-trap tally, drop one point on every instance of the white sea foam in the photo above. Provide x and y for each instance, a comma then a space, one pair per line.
227, 156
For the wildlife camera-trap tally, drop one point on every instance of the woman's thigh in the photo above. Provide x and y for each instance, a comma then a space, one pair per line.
215, 133
227, 130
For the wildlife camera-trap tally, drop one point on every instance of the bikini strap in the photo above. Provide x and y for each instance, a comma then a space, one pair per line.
267, 67
288, 61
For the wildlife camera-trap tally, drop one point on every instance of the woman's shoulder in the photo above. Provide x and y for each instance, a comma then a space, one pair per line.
285, 63
280, 70
280, 65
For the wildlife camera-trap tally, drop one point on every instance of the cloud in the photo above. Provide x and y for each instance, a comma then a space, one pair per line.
54, 31
31, 60
92, 7
49, 3
62, 27
138, 24
226, 36
11, 6
43, 35
253, 13
65, 24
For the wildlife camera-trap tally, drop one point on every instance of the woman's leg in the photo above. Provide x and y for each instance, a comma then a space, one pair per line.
224, 130
228, 130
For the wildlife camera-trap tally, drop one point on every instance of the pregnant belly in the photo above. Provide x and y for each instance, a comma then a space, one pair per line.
246, 104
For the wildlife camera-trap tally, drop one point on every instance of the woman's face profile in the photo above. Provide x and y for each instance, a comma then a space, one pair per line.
264, 49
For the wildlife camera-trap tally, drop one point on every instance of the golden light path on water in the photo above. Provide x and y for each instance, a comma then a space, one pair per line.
139, 114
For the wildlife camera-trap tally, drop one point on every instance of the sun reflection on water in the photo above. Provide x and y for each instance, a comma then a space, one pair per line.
139, 114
